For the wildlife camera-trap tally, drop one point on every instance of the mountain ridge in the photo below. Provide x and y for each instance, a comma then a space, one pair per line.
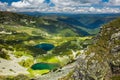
71, 25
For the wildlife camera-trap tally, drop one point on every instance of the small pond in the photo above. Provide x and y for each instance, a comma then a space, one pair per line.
45, 46
42, 66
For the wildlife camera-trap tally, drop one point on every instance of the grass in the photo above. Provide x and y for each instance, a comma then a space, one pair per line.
26, 63
23, 39
115, 78
37, 72
90, 31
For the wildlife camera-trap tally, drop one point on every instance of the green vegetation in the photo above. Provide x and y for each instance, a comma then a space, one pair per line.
26, 63
34, 73
21, 41
4, 54
115, 78
52, 25
20, 33
67, 77
18, 77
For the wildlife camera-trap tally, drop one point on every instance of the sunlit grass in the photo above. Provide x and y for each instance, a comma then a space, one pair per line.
37, 72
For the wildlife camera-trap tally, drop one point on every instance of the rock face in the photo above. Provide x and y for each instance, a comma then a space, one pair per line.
101, 61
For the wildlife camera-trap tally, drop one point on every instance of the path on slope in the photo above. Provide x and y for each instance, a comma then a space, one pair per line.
12, 67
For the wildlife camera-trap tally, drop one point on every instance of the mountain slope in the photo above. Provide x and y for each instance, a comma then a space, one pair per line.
101, 61
13, 18
47, 24
60, 24
90, 21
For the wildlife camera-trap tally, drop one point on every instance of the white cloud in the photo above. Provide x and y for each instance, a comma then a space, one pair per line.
63, 3
114, 2
20, 4
3, 6
27, 3
75, 2
71, 6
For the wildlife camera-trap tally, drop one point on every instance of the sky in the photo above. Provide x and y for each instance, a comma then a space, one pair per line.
61, 6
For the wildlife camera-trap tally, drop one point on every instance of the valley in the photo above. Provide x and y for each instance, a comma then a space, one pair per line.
57, 47
20, 41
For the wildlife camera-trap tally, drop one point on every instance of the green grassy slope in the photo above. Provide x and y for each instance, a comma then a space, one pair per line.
20, 33
49, 24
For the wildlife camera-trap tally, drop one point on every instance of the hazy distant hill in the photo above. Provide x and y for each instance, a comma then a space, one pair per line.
85, 20
59, 24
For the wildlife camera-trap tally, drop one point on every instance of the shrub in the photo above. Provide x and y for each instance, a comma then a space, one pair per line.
4, 54
26, 63
21, 77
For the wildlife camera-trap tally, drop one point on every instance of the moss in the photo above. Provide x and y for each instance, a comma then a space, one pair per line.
33, 73
21, 77
67, 77
115, 78
19, 53
26, 63
4, 54
7, 77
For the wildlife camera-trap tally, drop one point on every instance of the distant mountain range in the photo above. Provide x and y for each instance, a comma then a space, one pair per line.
90, 21
59, 24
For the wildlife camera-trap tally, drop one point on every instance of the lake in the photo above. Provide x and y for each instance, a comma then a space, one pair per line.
45, 46
42, 66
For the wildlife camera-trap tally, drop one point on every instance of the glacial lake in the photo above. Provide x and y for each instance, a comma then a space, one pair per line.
45, 46
42, 66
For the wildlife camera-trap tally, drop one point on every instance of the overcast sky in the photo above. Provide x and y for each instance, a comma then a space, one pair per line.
61, 6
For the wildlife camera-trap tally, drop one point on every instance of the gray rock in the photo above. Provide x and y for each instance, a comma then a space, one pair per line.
116, 49
115, 35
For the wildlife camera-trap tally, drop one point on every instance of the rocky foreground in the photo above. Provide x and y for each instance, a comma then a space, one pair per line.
102, 60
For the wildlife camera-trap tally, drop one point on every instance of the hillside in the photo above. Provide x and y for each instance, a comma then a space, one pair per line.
48, 24
60, 24
90, 21
101, 61
15, 19
26, 42
83, 23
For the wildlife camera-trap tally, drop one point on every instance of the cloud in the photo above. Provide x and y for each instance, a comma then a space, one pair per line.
62, 3
20, 4
37, 3
114, 2
75, 2
3, 6
68, 6
27, 3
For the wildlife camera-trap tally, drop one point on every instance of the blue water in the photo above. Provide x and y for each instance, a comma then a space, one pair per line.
45, 46
42, 66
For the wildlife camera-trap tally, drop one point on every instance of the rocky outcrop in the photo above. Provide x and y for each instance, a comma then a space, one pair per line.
90, 69
101, 61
